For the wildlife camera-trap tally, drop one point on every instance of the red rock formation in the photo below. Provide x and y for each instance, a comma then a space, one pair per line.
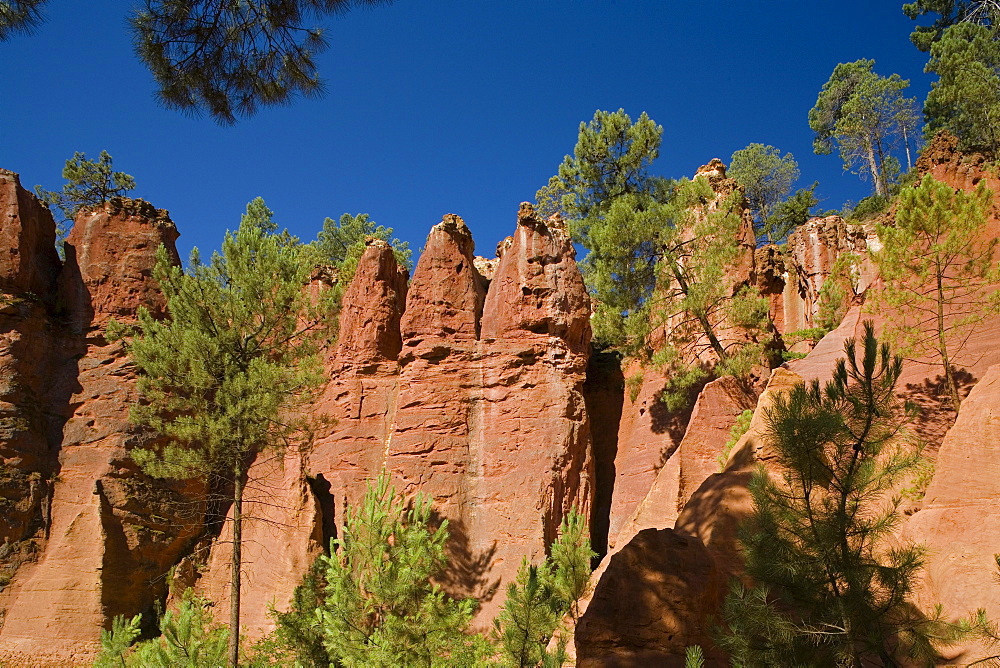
537, 288
960, 521
114, 248
282, 536
685, 569
111, 533
446, 295
28, 259
696, 458
372, 308
642, 608
492, 427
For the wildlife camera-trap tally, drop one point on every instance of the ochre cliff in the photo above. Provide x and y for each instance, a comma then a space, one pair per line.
101, 536
473, 382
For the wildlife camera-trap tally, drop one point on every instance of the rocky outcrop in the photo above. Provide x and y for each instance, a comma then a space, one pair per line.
472, 397
697, 457
368, 332
960, 522
107, 533
649, 433
662, 590
111, 252
28, 260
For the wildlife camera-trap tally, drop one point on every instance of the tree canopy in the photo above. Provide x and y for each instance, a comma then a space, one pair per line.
219, 373
226, 58
938, 264
832, 579
767, 178
949, 13
88, 183
965, 99
866, 117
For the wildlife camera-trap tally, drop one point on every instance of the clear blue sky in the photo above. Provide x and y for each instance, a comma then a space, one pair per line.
446, 106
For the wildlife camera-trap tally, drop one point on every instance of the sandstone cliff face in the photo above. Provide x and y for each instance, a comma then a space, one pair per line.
108, 534
472, 397
658, 591
649, 434
960, 521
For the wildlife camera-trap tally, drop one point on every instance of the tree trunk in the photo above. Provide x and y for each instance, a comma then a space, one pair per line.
949, 376
873, 166
906, 143
237, 563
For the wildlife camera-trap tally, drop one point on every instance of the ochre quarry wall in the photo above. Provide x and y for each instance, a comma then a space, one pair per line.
92, 537
466, 390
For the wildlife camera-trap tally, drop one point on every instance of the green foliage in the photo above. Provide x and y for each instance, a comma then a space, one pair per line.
694, 657
766, 177
611, 160
634, 385
529, 617
965, 100
238, 347
88, 183
864, 115
938, 265
790, 214
869, 207
228, 57
188, 638
542, 596
381, 607
299, 633
116, 642
341, 242
832, 581
836, 293
658, 251
950, 12
19, 16
736, 432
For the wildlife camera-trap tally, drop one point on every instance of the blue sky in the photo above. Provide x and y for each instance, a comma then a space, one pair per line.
446, 106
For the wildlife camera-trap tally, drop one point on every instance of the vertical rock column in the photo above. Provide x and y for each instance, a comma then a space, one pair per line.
429, 449
293, 500
28, 269
113, 533
530, 430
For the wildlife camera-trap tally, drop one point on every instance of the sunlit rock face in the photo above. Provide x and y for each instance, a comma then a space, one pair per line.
94, 537
466, 389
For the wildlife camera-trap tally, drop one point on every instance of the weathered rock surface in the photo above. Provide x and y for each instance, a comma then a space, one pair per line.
960, 520
473, 398
108, 534
372, 308
697, 457
28, 259
683, 572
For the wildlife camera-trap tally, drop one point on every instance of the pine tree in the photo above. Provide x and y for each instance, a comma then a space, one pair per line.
341, 242
865, 116
188, 637
381, 606
832, 587
88, 183
542, 595
939, 269
767, 178
965, 100
658, 255
219, 374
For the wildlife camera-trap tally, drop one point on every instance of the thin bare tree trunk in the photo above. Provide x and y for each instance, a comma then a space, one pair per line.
237, 563
949, 376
